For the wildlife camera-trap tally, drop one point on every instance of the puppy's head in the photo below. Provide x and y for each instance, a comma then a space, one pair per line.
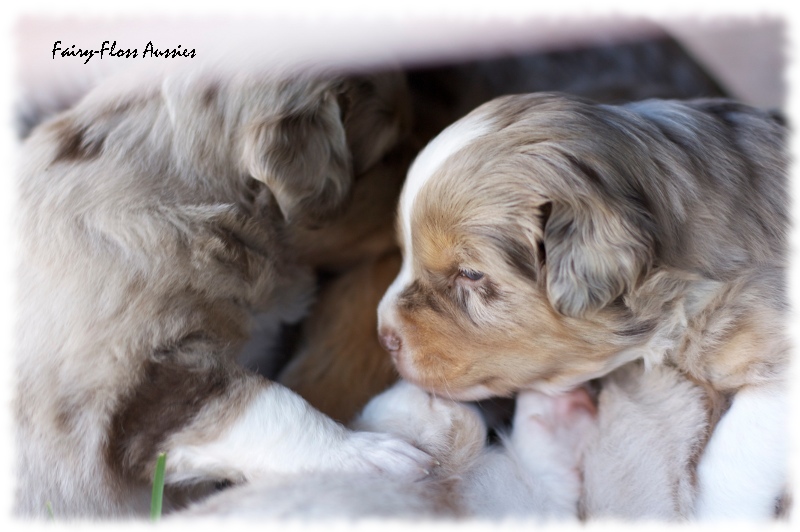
517, 251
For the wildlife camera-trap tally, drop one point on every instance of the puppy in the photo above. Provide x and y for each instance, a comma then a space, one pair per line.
533, 474
153, 221
327, 370
337, 339
549, 240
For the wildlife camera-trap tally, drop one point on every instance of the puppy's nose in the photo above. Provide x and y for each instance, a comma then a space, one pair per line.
390, 340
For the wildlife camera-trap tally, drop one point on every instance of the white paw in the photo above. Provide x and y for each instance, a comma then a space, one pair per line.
399, 410
372, 452
447, 429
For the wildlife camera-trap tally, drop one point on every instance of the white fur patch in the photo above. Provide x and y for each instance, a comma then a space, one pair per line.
278, 433
508, 481
743, 470
430, 159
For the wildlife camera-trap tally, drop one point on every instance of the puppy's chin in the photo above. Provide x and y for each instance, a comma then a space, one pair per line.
474, 393
474, 383
441, 387
479, 392
471, 393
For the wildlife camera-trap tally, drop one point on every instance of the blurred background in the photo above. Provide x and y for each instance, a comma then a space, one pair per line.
744, 57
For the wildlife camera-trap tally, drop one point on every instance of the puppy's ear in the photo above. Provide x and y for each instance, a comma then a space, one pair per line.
377, 114
302, 156
594, 253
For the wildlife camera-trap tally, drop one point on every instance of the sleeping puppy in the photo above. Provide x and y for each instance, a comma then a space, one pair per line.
328, 371
549, 240
153, 221
533, 474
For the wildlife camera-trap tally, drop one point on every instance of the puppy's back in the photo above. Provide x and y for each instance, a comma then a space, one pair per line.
728, 163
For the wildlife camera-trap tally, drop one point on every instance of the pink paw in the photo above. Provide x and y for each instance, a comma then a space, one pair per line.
567, 412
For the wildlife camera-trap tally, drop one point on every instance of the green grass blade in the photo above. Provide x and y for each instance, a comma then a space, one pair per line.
157, 500
49, 508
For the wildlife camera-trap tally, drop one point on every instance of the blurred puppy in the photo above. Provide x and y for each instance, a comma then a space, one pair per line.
533, 474
548, 240
337, 341
154, 221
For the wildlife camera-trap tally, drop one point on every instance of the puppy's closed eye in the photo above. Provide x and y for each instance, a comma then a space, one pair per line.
470, 275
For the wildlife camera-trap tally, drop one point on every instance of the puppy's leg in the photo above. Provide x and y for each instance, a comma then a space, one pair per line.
438, 425
245, 428
452, 432
549, 436
742, 474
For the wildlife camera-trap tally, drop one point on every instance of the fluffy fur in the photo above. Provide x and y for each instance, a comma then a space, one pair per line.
549, 240
652, 427
328, 371
534, 474
155, 221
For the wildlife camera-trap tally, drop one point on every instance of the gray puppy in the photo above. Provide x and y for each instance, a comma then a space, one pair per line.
153, 223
